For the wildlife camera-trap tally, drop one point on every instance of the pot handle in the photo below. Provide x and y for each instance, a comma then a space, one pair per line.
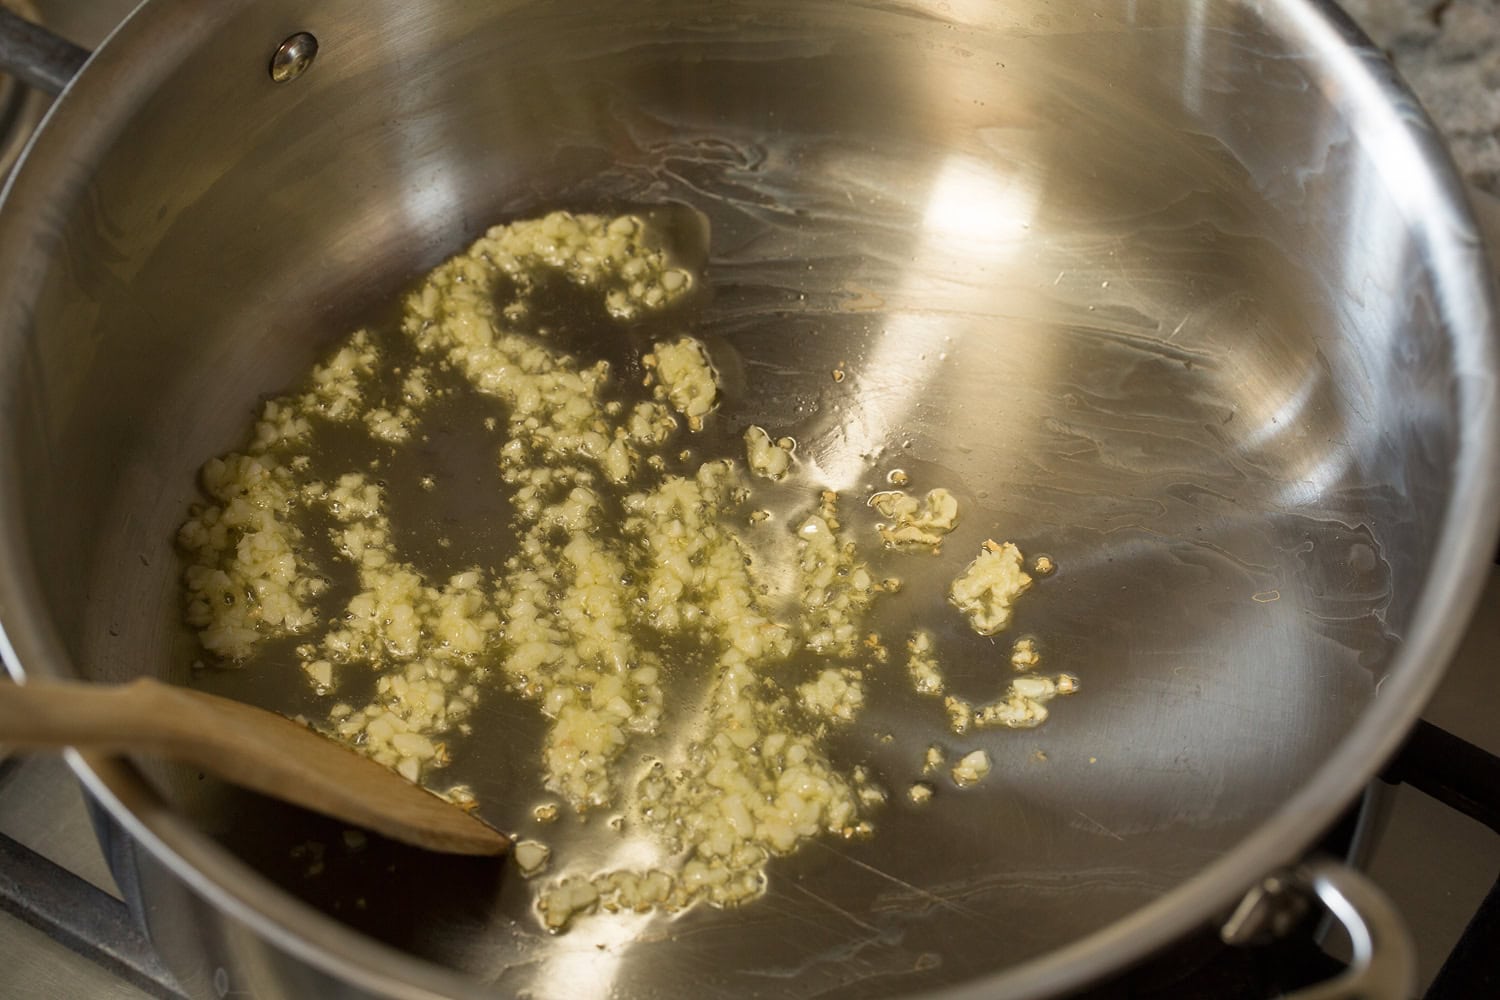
36, 56
1385, 959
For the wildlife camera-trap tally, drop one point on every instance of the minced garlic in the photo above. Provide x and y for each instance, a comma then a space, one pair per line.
320, 672
338, 383
1023, 704
531, 856
868, 791
916, 523
687, 378
835, 694
580, 614
244, 580
922, 665
766, 458
971, 768
392, 427
1023, 654
960, 713
837, 585
987, 589
566, 899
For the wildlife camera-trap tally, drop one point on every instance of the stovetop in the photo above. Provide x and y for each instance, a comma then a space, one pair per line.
1436, 864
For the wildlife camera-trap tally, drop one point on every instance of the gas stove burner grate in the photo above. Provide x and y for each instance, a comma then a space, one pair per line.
21, 108
74, 913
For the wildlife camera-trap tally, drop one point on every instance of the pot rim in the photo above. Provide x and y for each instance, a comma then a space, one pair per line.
1439, 213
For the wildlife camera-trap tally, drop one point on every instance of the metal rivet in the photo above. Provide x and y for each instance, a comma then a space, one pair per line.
293, 57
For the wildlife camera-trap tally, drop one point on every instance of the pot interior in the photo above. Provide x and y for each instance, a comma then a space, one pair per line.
1127, 279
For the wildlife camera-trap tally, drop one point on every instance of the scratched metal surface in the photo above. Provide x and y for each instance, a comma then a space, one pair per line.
1192, 347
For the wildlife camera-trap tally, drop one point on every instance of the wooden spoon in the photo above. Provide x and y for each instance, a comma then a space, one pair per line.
244, 745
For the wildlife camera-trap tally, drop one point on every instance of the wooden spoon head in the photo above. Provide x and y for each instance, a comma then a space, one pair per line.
273, 755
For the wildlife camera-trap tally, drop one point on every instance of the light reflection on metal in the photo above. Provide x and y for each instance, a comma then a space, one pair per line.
975, 219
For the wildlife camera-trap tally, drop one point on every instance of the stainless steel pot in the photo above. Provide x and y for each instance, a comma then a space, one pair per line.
1187, 295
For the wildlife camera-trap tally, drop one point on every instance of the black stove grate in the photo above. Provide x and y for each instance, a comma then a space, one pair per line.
73, 912
1466, 778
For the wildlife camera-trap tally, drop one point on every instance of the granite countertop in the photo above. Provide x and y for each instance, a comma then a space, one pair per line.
1449, 52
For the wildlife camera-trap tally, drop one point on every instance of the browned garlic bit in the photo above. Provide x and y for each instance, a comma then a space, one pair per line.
587, 609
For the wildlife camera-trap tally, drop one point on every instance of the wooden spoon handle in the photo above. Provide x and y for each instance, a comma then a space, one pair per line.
130, 717
244, 745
